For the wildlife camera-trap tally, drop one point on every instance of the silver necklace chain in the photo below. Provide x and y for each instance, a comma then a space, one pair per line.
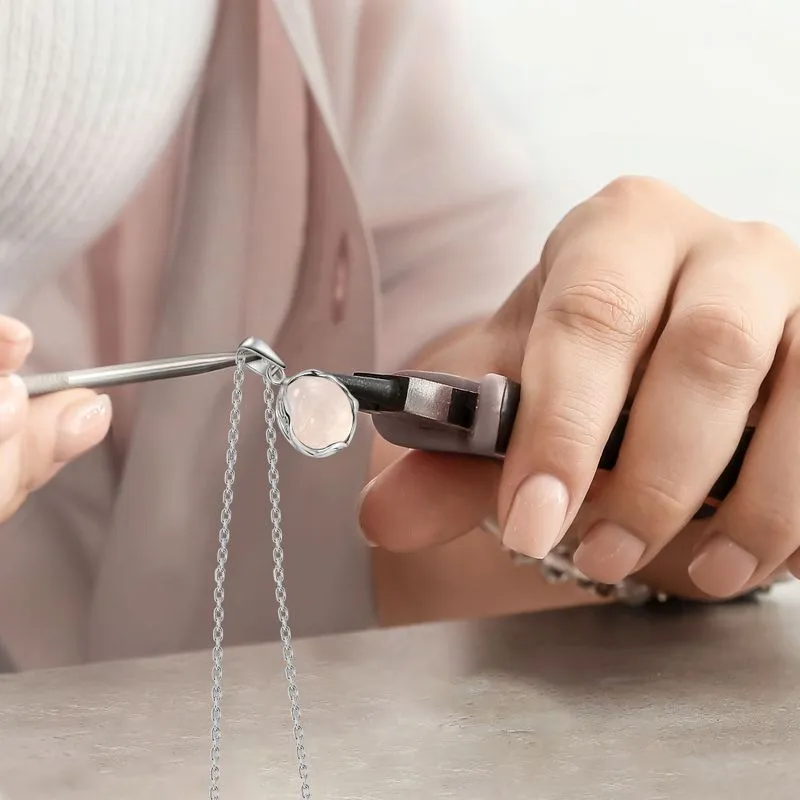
274, 376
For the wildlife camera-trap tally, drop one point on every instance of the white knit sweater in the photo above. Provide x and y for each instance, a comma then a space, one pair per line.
90, 91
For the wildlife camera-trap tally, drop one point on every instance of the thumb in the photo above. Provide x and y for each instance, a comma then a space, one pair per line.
425, 499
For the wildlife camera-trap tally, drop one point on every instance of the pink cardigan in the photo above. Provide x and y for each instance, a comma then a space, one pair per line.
322, 175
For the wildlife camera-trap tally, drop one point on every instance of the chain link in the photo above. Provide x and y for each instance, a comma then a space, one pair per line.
558, 567
280, 585
274, 376
219, 574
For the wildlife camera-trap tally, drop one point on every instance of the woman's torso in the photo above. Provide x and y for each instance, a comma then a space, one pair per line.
247, 225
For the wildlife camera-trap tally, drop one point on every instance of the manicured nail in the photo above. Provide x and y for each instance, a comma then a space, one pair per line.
81, 426
12, 402
492, 526
608, 553
538, 514
13, 332
367, 540
722, 568
362, 497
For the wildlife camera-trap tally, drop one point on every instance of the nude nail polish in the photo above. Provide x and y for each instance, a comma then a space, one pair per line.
362, 497
79, 425
537, 518
608, 553
722, 568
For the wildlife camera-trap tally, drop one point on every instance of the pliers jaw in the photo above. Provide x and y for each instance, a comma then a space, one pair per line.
439, 412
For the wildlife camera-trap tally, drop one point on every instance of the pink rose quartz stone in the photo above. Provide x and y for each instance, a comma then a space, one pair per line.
320, 412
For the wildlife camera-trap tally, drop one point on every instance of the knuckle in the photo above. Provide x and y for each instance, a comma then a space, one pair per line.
663, 503
569, 433
760, 236
601, 311
622, 199
634, 189
719, 345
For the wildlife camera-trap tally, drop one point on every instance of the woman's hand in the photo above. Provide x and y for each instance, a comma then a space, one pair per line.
638, 290
37, 437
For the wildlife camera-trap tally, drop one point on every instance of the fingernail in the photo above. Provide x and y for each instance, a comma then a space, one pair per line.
14, 332
722, 568
362, 497
80, 426
367, 541
492, 526
364, 536
608, 553
12, 400
538, 513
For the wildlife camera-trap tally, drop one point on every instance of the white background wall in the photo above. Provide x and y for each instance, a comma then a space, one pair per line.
702, 93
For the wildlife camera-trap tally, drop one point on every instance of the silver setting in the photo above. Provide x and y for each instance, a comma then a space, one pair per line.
284, 416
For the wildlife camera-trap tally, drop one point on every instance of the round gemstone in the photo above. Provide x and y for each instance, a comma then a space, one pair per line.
320, 411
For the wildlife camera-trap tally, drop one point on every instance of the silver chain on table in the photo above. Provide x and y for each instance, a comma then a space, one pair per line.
558, 567
274, 377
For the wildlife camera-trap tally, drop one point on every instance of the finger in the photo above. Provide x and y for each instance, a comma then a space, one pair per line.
13, 414
13, 407
60, 428
425, 499
611, 265
16, 342
793, 564
757, 528
692, 405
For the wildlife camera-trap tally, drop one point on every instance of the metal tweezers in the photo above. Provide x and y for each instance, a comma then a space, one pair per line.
159, 369
134, 372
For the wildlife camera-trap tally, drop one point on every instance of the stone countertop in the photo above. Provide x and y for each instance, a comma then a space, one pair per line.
584, 704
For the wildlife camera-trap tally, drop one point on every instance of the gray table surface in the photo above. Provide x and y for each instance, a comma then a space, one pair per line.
592, 703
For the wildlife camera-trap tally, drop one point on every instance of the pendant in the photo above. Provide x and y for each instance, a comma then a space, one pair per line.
315, 412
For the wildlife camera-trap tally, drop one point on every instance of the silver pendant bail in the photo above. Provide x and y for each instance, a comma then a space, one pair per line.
269, 365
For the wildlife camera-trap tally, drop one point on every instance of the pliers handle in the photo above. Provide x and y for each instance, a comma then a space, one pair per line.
443, 413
